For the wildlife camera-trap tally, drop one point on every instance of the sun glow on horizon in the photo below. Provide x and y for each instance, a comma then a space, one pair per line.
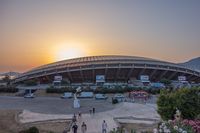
69, 50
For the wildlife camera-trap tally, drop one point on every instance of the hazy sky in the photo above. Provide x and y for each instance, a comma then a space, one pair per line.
36, 32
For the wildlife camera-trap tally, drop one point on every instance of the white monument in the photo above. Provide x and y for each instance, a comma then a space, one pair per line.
76, 100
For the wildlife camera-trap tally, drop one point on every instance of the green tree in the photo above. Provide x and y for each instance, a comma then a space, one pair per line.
166, 105
166, 82
186, 100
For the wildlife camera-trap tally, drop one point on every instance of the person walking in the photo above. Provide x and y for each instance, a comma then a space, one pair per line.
75, 128
104, 127
74, 118
79, 115
90, 112
93, 110
83, 127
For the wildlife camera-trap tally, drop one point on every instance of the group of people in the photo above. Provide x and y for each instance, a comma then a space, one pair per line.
75, 126
83, 128
92, 111
74, 118
83, 125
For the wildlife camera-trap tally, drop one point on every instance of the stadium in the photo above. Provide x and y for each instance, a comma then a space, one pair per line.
109, 69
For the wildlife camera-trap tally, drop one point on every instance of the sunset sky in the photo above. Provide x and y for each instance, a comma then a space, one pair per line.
37, 32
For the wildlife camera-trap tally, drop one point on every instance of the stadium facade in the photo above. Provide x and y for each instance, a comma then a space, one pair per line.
113, 68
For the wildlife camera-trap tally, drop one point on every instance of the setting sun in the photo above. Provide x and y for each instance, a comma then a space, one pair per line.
69, 50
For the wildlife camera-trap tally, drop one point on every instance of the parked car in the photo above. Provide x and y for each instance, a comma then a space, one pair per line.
67, 95
119, 97
29, 95
86, 95
101, 97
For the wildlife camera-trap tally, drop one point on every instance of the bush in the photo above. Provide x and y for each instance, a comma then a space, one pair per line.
186, 100
153, 91
8, 89
103, 90
60, 90
175, 126
117, 89
166, 107
30, 83
33, 130
166, 82
114, 101
30, 130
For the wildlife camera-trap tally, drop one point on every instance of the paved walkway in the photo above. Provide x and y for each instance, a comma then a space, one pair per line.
94, 122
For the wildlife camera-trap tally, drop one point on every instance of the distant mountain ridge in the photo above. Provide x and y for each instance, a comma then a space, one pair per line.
193, 63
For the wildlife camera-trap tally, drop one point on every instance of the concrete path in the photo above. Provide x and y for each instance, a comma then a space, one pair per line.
94, 122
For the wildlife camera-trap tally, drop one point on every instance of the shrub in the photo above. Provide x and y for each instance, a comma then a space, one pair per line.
154, 91
33, 130
117, 89
114, 101
87, 89
103, 90
176, 127
30, 130
60, 90
30, 83
8, 89
166, 82
186, 100
166, 107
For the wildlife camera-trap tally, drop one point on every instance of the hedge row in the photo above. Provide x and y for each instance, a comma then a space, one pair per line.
60, 90
113, 90
8, 89
103, 90
30, 83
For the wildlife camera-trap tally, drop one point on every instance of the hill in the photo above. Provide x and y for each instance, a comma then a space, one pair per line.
193, 63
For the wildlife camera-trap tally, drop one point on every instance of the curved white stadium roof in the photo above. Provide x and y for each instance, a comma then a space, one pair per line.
108, 62
99, 58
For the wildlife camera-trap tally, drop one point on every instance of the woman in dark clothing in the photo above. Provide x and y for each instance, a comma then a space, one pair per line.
74, 128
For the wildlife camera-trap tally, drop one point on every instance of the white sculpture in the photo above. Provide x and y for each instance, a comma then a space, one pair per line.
76, 100
177, 115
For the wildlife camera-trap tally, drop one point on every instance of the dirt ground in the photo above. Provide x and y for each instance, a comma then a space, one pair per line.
9, 123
